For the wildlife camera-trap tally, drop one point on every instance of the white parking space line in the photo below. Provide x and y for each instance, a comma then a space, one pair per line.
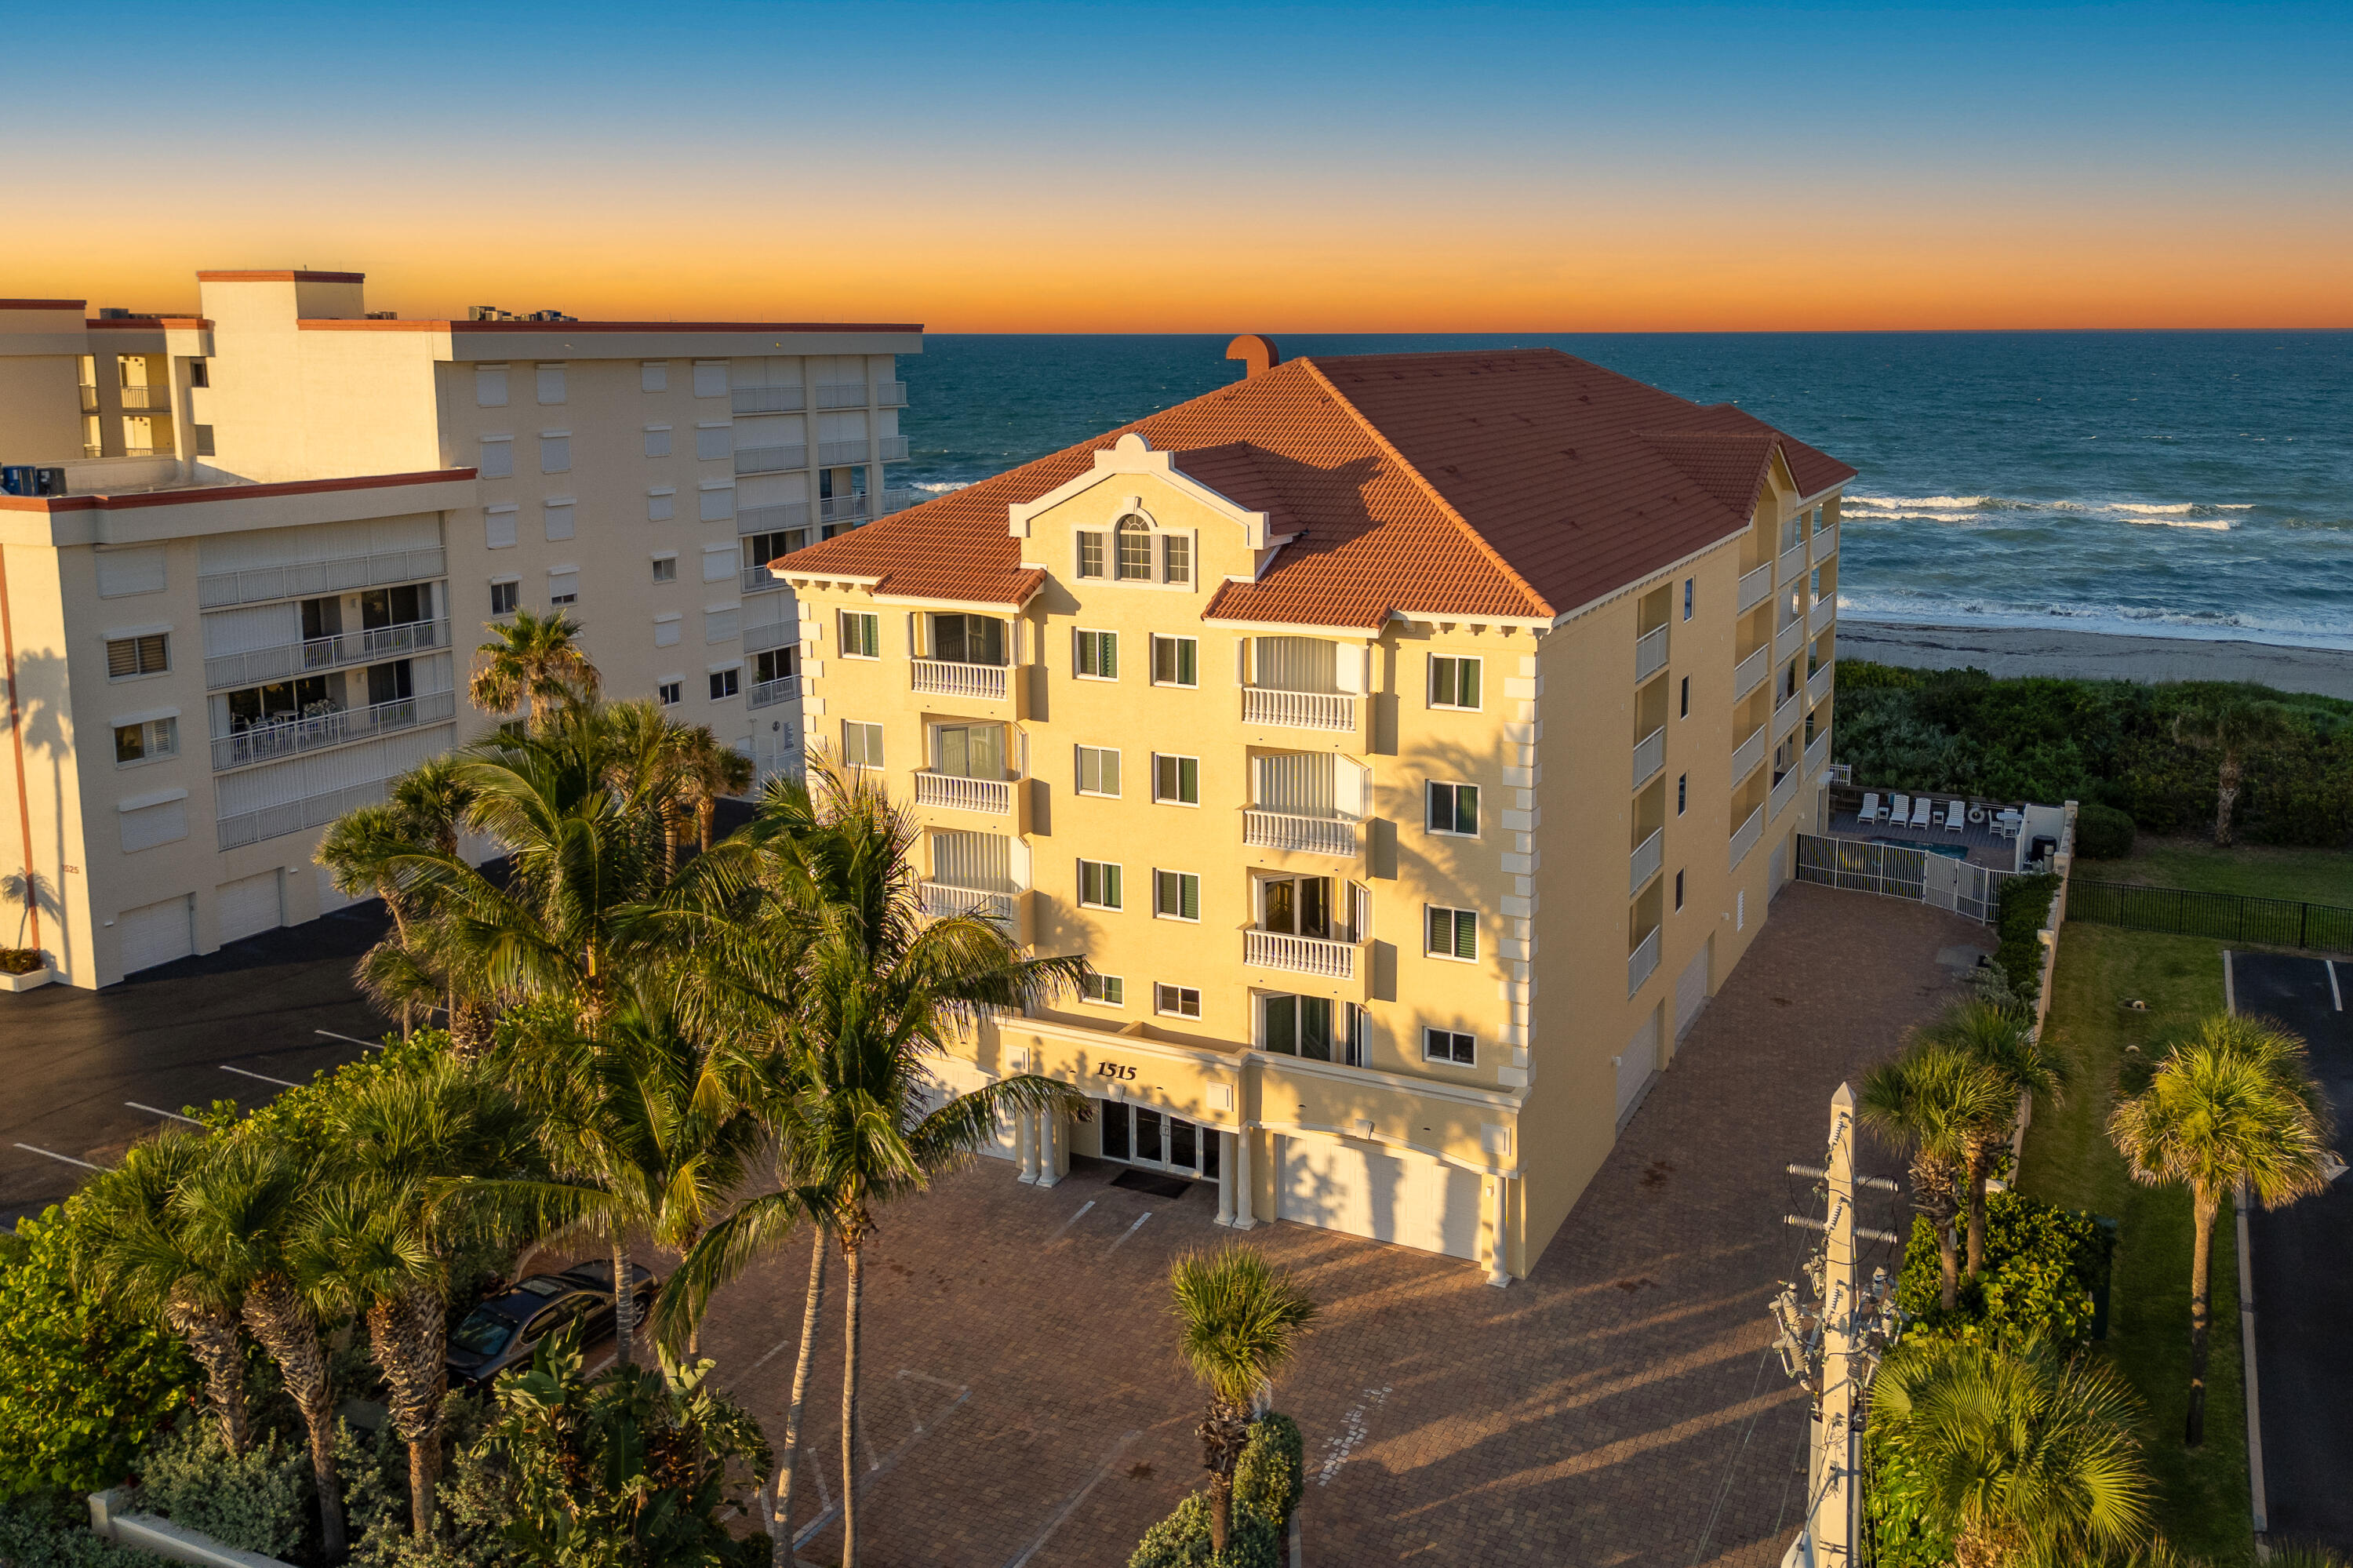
1127, 1232
362, 1044
68, 1159
286, 1083
875, 1471
1076, 1498
1074, 1220
2335, 994
157, 1111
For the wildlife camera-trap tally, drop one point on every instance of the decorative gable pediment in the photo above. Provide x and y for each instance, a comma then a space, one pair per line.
1131, 455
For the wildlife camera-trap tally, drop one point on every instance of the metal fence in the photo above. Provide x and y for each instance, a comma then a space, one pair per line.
1893, 871
2226, 917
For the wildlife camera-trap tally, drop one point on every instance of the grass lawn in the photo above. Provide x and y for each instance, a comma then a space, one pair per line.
2261, 870
2203, 1506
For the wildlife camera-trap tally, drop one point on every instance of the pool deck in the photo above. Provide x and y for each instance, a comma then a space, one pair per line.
1985, 846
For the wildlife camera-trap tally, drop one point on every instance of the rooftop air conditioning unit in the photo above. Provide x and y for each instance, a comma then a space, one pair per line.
25, 479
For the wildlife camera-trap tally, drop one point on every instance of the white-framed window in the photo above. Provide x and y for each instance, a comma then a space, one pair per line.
667, 630
1175, 1000
666, 567
1176, 661
1450, 1045
1453, 808
1133, 549
1175, 780
1175, 558
657, 441
149, 821
861, 744
551, 383
653, 376
149, 653
497, 461
775, 664
1450, 933
1098, 770
490, 386
669, 693
1177, 896
720, 562
711, 378
1090, 562
661, 505
1303, 1026
1097, 656
558, 516
862, 634
1691, 589
1105, 991
146, 741
564, 586
1454, 682
718, 502
506, 594
714, 441
498, 527
726, 683
1099, 885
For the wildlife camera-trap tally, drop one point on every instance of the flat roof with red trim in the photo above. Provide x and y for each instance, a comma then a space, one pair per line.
44, 304
174, 497
341, 324
281, 277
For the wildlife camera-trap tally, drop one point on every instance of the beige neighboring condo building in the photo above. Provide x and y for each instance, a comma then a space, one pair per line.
1412, 744
246, 553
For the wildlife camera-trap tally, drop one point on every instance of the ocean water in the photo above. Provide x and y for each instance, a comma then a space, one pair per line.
2167, 483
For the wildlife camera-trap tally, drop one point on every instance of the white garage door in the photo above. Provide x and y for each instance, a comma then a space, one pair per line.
1368, 1191
154, 935
1691, 990
249, 905
1636, 1063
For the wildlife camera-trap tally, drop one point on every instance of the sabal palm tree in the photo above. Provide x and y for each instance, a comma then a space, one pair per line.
2026, 1458
1241, 1320
381, 1238
362, 849
708, 773
2232, 726
1944, 1105
242, 1210
2005, 1041
2236, 1103
137, 1252
534, 658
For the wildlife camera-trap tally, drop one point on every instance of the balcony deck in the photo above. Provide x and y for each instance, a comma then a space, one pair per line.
1982, 844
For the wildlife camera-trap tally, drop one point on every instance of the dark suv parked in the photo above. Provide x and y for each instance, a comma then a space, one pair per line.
503, 1330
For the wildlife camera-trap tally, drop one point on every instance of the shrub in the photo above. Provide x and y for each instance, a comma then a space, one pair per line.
471, 1507
59, 1537
1273, 1470
82, 1386
2045, 1269
1182, 1540
2025, 905
2103, 833
1904, 1533
256, 1502
19, 960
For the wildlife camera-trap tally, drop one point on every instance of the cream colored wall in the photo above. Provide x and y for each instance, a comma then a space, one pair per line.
40, 407
47, 684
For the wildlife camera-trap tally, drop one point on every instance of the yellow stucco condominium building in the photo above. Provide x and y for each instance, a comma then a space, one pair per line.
249, 552
1411, 742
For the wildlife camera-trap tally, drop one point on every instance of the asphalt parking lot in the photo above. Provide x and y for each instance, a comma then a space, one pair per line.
2302, 1279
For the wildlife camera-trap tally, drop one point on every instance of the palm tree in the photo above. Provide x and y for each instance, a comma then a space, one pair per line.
1946, 1106
2232, 726
362, 851
2026, 1458
137, 1254
382, 1236
242, 1210
534, 657
1241, 1321
2005, 1041
710, 773
2234, 1103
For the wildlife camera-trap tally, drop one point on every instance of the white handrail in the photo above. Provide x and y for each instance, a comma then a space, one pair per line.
1745, 837
302, 578
1648, 856
1750, 672
1792, 564
993, 796
1819, 683
1650, 653
1746, 756
285, 738
766, 399
1817, 620
1299, 710
770, 459
1783, 793
225, 671
1754, 587
1299, 955
947, 678
1650, 756
1306, 835
1642, 962
940, 900
768, 693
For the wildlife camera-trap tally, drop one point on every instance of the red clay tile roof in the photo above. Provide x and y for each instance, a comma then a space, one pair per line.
1522, 483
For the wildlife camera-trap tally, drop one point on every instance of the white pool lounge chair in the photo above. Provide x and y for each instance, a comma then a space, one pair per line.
1903, 806
1920, 809
1871, 810
1954, 814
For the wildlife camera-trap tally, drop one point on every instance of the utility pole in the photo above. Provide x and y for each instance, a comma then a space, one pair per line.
1832, 1345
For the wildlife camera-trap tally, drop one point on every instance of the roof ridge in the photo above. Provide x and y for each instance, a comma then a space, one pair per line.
1479, 541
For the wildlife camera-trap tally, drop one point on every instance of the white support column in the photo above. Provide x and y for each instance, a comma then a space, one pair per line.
1226, 1141
1243, 1216
1024, 1146
1498, 1245
1055, 1158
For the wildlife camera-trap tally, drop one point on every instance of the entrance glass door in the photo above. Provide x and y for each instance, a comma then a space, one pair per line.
1136, 1135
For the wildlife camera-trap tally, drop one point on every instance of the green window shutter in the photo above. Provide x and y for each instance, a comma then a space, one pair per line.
1188, 780
1192, 893
1468, 682
1111, 655
1466, 935
1440, 939
1466, 808
1110, 899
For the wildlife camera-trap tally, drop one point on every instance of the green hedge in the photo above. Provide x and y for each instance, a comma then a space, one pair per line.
1962, 732
2103, 833
1267, 1483
2045, 1271
2025, 905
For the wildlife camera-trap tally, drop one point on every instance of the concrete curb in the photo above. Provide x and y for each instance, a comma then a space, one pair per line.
159, 1537
2259, 1505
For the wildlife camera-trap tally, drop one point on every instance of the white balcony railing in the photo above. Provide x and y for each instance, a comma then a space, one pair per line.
770, 459
1648, 856
842, 508
841, 395
1819, 685
1754, 587
1299, 710
287, 737
768, 693
1650, 756
1649, 653
780, 518
833, 454
759, 579
293, 816
1746, 756
1783, 793
889, 393
770, 634
1642, 962
898, 498
891, 449
1750, 672
226, 671
152, 399
1787, 711
1819, 619
1817, 754
1745, 837
1334, 836
1792, 564
305, 579
1787, 641
1299, 955
941, 901
1825, 543
766, 399
947, 678
993, 796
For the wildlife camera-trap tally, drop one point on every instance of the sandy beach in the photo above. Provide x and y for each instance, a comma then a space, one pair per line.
2095, 655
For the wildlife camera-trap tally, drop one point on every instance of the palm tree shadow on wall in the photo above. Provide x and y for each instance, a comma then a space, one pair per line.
40, 685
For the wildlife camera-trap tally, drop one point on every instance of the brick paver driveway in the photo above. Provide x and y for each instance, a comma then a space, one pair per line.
1025, 1409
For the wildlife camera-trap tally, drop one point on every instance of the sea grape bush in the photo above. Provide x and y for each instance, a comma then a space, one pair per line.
2044, 1267
2025, 905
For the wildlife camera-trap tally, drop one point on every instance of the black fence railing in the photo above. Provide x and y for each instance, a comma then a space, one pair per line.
2227, 917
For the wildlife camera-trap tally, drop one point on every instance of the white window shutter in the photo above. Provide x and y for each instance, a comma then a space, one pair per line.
714, 441
144, 827
657, 441
720, 625
711, 378
551, 384
555, 454
719, 563
560, 582
653, 376
1350, 667
490, 386
558, 516
497, 460
499, 528
1349, 786
666, 631
660, 506
122, 572
718, 504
